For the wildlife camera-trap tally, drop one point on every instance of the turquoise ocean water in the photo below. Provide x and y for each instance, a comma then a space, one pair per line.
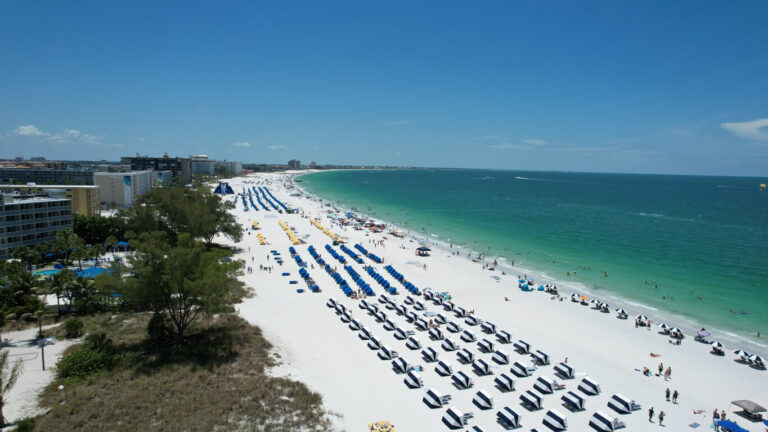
696, 247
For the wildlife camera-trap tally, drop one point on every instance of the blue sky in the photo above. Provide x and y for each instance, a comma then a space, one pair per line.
629, 86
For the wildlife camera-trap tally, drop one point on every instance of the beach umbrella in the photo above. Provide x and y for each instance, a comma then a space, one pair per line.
641, 318
621, 311
522, 280
595, 301
757, 359
675, 330
741, 353
663, 326
584, 298
717, 345
703, 333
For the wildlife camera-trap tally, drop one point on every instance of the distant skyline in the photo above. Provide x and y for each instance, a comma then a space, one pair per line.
600, 86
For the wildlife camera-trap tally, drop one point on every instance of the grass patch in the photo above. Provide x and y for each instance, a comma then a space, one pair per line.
216, 382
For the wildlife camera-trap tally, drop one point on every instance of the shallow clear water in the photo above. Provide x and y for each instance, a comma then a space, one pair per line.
696, 246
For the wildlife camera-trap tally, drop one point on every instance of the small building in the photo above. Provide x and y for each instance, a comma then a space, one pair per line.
27, 220
123, 189
202, 165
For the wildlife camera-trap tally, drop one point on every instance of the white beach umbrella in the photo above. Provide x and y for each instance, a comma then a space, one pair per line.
641, 318
664, 326
595, 301
741, 353
675, 330
757, 359
621, 311
717, 345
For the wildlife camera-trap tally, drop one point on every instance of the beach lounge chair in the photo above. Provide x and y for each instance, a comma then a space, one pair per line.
505, 383
500, 357
519, 370
555, 420
400, 365
488, 327
602, 422
508, 418
530, 400
468, 336
483, 400
522, 346
455, 419
589, 386
433, 399
462, 380
436, 334
443, 368
465, 356
564, 370
413, 343
429, 354
573, 401
485, 345
449, 345
481, 367
413, 380
504, 337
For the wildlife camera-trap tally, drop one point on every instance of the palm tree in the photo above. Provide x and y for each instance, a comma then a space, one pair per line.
8, 376
25, 255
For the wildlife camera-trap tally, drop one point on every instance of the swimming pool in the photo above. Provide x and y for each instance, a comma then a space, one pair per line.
47, 273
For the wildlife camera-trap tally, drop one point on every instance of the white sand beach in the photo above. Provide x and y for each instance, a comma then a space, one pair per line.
319, 349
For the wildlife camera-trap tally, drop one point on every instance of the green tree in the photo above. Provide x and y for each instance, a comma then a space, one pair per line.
111, 241
8, 376
182, 281
61, 285
26, 256
79, 251
66, 240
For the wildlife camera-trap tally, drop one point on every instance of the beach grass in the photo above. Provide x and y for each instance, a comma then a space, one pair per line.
219, 380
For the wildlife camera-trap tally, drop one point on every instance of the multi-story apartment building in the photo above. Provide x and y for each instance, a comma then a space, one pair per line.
232, 167
28, 220
85, 198
177, 166
44, 176
123, 189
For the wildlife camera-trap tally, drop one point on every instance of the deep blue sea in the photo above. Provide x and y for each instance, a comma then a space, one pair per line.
690, 245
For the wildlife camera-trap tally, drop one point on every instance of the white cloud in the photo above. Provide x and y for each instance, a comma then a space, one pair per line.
510, 146
28, 130
276, 147
398, 122
532, 141
755, 130
241, 144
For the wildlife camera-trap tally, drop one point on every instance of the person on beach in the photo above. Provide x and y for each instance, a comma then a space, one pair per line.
661, 418
675, 394
667, 373
650, 415
661, 369
667, 394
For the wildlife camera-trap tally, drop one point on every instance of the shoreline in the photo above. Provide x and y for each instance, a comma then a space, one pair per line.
687, 323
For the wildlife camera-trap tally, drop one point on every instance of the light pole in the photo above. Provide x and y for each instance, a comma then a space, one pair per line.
66, 398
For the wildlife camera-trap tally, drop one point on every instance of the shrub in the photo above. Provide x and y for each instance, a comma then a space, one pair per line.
84, 362
25, 425
73, 328
159, 330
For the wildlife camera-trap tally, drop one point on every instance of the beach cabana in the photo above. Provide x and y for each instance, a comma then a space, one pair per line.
374, 343
485, 345
387, 353
411, 316
622, 404
757, 361
413, 380
401, 309
408, 300
448, 305
573, 401
751, 409
481, 367
413, 343
440, 318
472, 320
519, 370
389, 325
555, 421
540, 357
717, 348
436, 334
530, 400
400, 334
455, 419
564, 370
354, 325
488, 327
505, 383
453, 327
364, 305
483, 400
444, 368
601, 422
500, 357
345, 317
400, 365
508, 418
504, 336
433, 399
465, 356
421, 324
460, 312
380, 316
373, 308
462, 380
331, 303
383, 299
468, 336
364, 333
437, 300
340, 308
428, 294
418, 305
449, 345
589, 386
544, 385
522, 346
429, 354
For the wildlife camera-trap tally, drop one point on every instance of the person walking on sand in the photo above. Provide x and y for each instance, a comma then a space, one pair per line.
667, 373
661, 418
661, 369
675, 394
650, 415
667, 394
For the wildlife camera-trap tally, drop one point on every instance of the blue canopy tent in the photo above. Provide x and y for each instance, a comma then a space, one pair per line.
730, 426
